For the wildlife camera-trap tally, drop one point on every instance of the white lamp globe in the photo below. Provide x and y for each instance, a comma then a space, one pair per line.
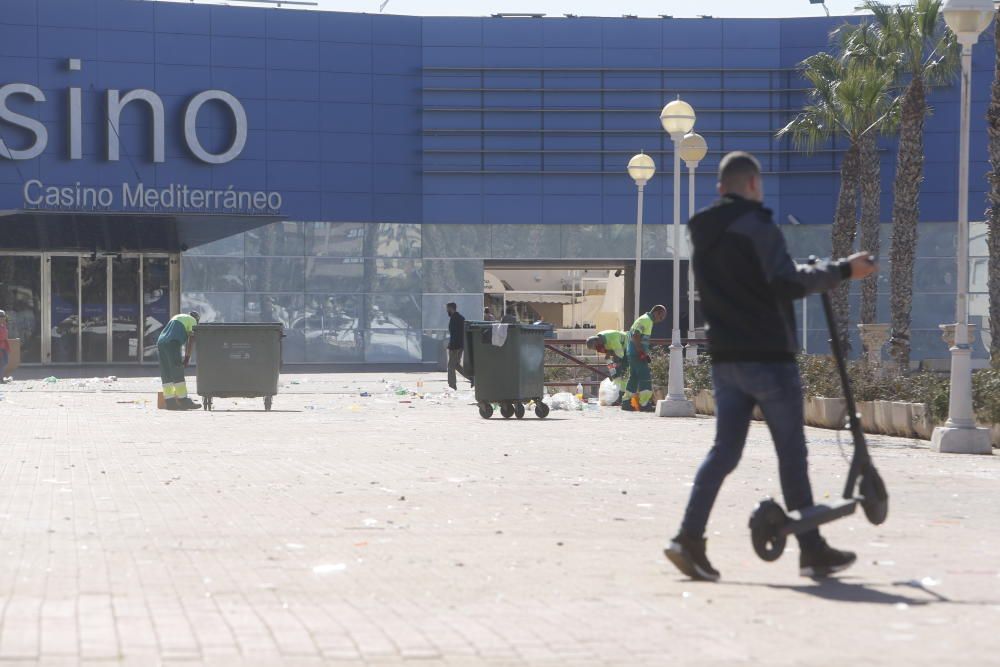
693, 148
641, 168
967, 18
678, 118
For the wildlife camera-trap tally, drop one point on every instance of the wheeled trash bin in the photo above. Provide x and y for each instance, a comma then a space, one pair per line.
238, 360
507, 367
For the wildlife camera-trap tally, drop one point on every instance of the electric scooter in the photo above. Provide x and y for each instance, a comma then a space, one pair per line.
770, 526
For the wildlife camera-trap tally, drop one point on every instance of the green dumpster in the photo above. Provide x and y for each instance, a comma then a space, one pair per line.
509, 372
238, 360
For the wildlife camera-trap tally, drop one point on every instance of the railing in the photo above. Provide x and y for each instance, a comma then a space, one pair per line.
554, 345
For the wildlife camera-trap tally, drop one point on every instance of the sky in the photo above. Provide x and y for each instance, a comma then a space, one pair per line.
641, 8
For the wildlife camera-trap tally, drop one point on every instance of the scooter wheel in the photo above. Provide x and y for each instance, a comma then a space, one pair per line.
519, 410
485, 410
766, 522
506, 410
874, 496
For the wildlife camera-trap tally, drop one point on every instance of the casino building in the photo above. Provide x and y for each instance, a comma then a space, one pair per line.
349, 174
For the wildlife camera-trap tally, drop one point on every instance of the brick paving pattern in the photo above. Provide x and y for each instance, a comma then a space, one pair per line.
342, 529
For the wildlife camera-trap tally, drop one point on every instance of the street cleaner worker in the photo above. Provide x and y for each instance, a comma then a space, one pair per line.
178, 333
613, 345
748, 282
640, 379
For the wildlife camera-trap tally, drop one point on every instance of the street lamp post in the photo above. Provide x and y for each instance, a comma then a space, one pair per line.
967, 19
693, 150
677, 119
641, 168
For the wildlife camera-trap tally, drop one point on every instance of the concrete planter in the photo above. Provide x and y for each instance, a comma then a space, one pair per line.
704, 402
902, 420
920, 421
829, 412
867, 410
659, 392
995, 429
883, 417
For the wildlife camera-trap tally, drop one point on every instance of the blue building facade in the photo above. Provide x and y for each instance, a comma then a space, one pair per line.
349, 174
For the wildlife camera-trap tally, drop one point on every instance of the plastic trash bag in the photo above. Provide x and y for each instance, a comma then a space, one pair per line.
563, 401
608, 392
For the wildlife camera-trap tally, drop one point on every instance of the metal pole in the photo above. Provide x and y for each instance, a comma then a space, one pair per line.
675, 380
959, 434
638, 253
692, 348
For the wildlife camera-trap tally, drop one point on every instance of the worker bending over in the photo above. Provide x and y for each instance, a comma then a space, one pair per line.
613, 345
640, 379
178, 333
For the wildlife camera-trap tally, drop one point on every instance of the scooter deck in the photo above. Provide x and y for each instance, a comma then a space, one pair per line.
812, 517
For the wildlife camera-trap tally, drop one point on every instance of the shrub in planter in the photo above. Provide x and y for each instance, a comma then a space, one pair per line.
819, 376
698, 376
986, 395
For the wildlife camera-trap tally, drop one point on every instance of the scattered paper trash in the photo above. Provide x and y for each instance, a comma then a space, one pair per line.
52, 379
330, 568
563, 401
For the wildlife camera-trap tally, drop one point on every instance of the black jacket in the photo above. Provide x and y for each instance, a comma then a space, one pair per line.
456, 332
747, 281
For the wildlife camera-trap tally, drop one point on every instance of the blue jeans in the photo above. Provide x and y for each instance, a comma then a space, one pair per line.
738, 387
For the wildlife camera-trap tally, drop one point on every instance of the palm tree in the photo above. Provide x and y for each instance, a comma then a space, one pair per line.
914, 41
849, 97
993, 212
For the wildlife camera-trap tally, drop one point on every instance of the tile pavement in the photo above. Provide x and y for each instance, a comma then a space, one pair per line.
347, 530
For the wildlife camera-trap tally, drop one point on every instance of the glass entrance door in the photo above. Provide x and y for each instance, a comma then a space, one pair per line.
64, 309
21, 298
107, 309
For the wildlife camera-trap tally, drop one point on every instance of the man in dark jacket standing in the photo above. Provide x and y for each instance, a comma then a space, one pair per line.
456, 344
747, 282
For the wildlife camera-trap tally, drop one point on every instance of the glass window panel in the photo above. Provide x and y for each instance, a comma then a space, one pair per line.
65, 309
393, 346
435, 316
394, 311
94, 309
596, 241
978, 274
525, 241
397, 275
231, 246
289, 310
456, 240
334, 274
21, 298
275, 274
156, 302
276, 239
333, 331
453, 276
211, 274
397, 240
125, 309
936, 239
214, 306
335, 239
435, 348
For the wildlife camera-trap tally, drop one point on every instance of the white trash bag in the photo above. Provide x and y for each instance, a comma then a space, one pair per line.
608, 392
563, 401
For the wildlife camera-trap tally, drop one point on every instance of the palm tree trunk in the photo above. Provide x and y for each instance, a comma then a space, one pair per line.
871, 210
845, 222
905, 214
993, 212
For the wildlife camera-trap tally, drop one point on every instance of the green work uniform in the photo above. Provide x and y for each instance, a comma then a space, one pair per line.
640, 379
616, 344
172, 338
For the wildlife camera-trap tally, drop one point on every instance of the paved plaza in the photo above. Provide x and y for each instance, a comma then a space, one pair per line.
391, 529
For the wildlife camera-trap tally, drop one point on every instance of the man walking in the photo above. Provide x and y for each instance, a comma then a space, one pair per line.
178, 333
613, 345
747, 282
456, 345
640, 379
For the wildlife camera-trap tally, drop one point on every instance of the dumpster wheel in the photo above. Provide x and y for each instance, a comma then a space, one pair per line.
506, 409
519, 410
541, 409
267, 403
485, 410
